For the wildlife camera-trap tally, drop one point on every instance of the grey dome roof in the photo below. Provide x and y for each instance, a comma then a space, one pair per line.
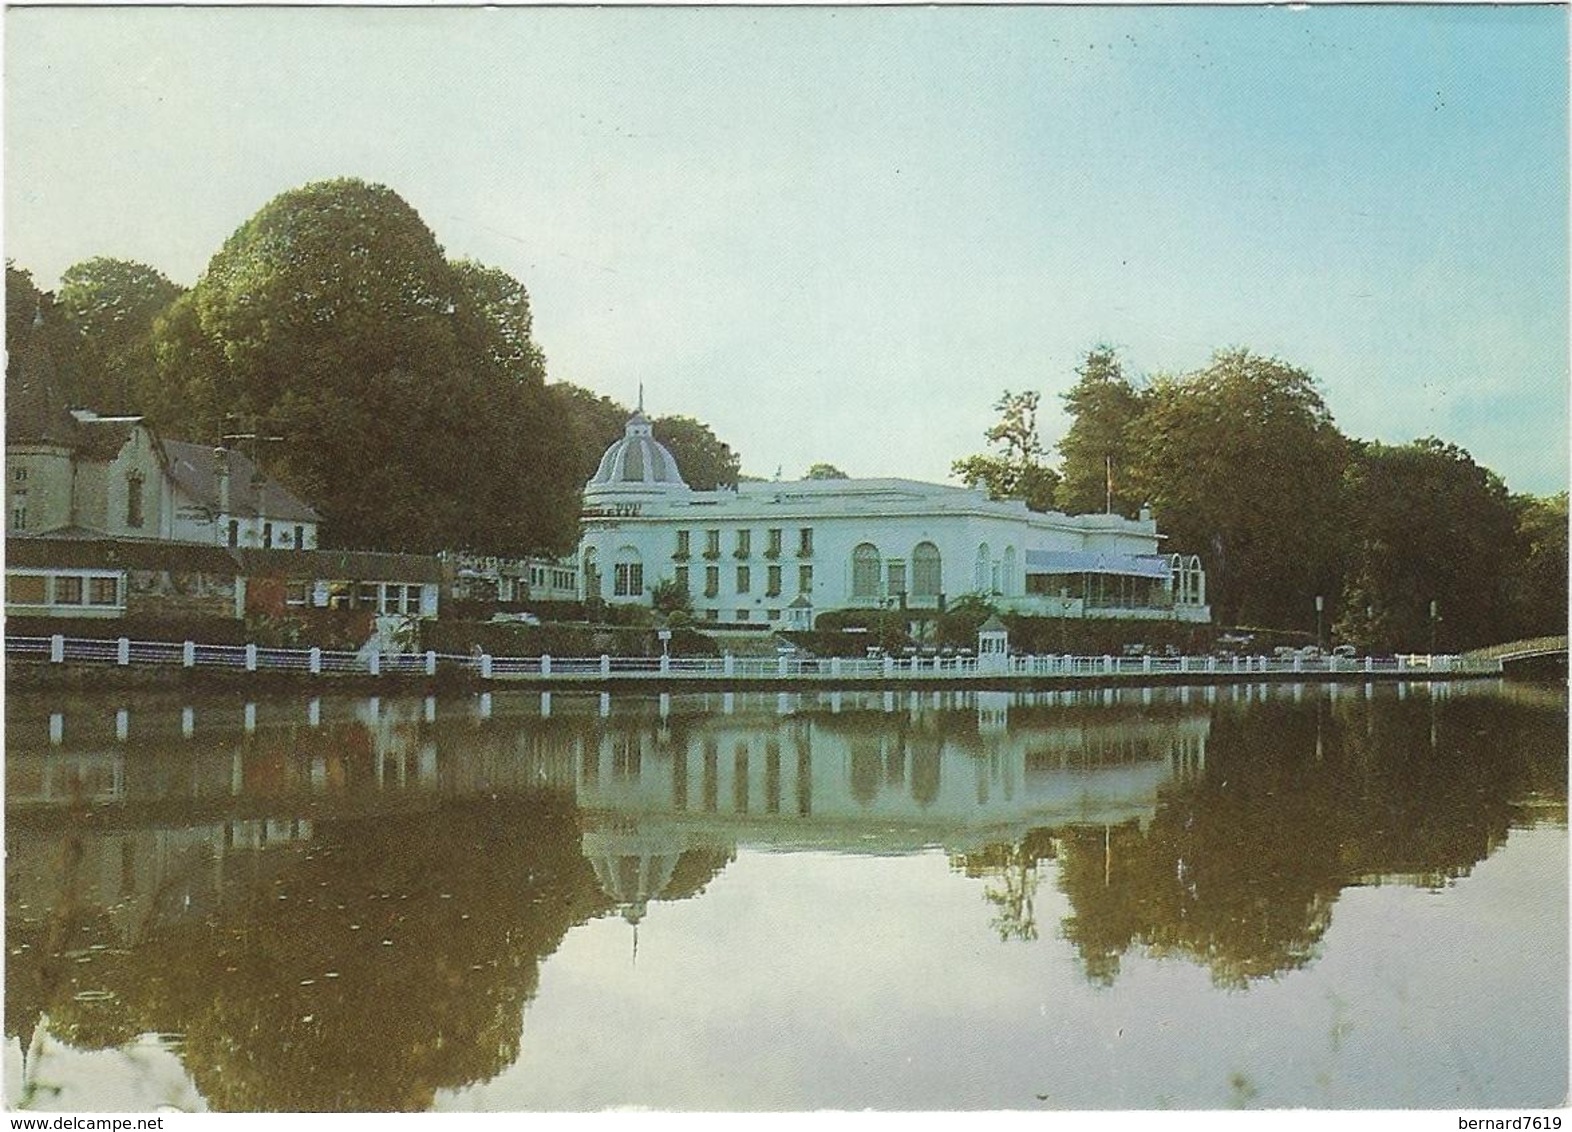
637, 462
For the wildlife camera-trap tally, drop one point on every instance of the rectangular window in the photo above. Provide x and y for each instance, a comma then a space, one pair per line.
805, 542
369, 595
300, 538
742, 614
27, 589
712, 544
711, 581
773, 588
19, 475
744, 579
773, 614
805, 579
683, 544
744, 543
19, 517
629, 579
682, 579
68, 591
897, 571
103, 591
234, 532
297, 591
267, 534
712, 615
774, 550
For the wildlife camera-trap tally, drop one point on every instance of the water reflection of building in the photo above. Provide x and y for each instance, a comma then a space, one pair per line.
870, 781
141, 880
695, 775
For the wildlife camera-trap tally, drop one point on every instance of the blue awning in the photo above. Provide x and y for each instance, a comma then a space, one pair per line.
1093, 562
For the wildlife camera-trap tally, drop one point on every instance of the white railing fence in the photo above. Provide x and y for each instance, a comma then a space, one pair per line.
251, 658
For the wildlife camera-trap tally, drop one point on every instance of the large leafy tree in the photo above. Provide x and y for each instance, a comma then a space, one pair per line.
826, 472
1427, 525
407, 389
1096, 449
110, 306
1537, 582
1015, 468
1243, 465
706, 462
593, 421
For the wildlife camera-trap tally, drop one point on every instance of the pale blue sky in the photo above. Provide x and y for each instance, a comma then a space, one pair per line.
838, 234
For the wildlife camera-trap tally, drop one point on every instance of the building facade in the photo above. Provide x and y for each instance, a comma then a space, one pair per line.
75, 471
776, 555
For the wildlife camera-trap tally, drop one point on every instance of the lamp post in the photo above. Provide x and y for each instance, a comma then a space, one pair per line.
1320, 604
1434, 617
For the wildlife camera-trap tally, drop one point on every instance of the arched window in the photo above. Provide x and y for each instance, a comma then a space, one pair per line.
865, 571
926, 570
1007, 580
628, 577
591, 575
982, 580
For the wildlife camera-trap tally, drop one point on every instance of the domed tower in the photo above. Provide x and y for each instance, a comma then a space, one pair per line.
636, 467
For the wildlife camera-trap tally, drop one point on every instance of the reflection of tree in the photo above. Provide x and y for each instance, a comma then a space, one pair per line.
1239, 868
1013, 879
695, 869
391, 959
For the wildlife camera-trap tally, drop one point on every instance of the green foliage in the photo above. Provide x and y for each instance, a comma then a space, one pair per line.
958, 624
668, 598
826, 472
1427, 525
1015, 470
704, 461
408, 389
1537, 579
1096, 450
110, 307
595, 422
1243, 465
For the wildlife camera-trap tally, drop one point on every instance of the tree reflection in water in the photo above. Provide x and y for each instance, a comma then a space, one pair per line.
383, 932
391, 958
1239, 867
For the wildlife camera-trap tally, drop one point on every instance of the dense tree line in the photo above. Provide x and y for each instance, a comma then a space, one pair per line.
405, 390
1407, 546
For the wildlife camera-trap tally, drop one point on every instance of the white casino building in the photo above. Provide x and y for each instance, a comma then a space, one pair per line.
778, 554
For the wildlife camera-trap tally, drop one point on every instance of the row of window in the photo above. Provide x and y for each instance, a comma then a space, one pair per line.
267, 535
383, 597
557, 578
773, 576
743, 545
742, 615
63, 589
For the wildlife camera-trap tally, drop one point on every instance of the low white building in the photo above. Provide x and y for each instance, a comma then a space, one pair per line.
778, 554
222, 498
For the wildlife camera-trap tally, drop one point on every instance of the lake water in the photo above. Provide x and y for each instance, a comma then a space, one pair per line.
1259, 896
